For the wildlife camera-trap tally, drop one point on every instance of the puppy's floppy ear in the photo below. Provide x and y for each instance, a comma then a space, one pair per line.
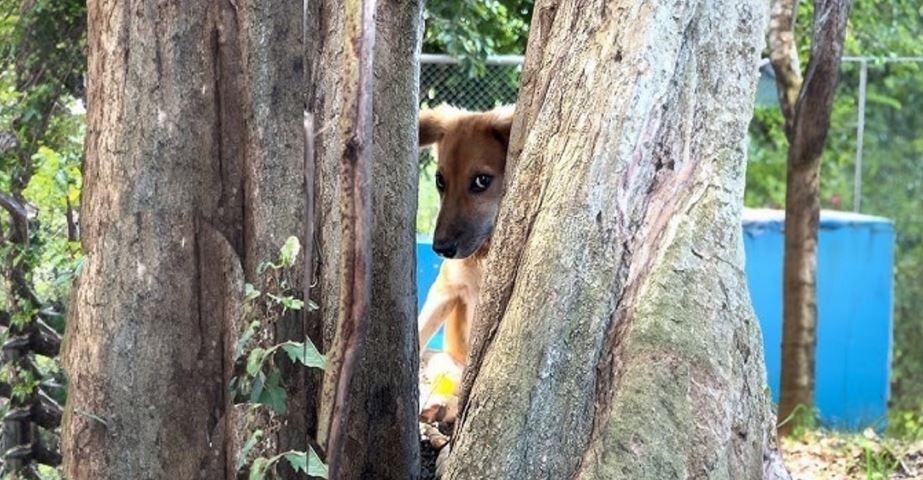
502, 123
431, 127
434, 123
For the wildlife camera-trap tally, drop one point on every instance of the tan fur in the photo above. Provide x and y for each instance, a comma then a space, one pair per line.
467, 144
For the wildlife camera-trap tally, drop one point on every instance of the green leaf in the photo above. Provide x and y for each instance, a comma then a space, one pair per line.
305, 353
316, 466
234, 386
245, 338
288, 302
298, 461
263, 266
259, 468
255, 361
245, 451
273, 395
306, 462
256, 388
250, 292
289, 251
292, 303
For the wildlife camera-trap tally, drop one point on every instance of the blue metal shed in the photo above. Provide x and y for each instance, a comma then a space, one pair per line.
855, 304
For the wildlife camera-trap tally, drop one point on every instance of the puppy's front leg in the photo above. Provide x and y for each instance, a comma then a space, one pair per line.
439, 302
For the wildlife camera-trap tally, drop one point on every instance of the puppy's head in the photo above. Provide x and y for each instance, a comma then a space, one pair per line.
471, 159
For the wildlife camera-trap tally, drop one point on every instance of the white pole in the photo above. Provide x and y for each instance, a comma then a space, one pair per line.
860, 134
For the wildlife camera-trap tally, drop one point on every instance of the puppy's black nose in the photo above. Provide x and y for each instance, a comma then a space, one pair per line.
445, 249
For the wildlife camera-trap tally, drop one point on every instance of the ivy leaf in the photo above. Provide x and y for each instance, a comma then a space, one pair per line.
245, 338
306, 354
263, 266
292, 303
234, 386
273, 395
259, 468
245, 451
289, 251
307, 462
288, 302
312, 306
256, 389
298, 461
250, 292
255, 361
316, 466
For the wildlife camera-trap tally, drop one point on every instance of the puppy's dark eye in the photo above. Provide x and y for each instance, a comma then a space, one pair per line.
440, 182
480, 183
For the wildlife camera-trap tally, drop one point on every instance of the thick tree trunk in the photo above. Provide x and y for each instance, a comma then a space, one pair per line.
382, 431
809, 119
192, 177
621, 343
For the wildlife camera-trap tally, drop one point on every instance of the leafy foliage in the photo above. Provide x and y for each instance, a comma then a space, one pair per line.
258, 382
472, 30
42, 62
301, 462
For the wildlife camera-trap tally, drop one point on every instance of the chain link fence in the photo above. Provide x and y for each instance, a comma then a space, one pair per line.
445, 80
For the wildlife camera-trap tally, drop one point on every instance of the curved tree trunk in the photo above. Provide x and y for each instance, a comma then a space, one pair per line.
193, 176
631, 126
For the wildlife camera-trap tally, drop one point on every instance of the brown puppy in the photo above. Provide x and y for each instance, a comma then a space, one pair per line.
471, 160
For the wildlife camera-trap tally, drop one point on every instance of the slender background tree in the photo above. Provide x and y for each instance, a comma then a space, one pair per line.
806, 106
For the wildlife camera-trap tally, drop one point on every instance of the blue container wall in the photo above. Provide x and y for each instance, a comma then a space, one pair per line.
854, 282
854, 304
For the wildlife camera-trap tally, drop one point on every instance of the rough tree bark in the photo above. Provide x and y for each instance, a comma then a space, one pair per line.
382, 431
355, 127
806, 106
630, 125
194, 155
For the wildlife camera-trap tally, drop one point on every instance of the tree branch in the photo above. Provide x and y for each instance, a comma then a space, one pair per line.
815, 103
783, 55
14, 207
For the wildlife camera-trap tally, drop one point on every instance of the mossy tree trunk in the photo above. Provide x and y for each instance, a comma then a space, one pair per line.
616, 338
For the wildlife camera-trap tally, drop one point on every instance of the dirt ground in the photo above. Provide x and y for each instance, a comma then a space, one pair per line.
828, 455
816, 456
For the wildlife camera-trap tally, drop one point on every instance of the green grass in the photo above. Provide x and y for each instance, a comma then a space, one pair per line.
906, 424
